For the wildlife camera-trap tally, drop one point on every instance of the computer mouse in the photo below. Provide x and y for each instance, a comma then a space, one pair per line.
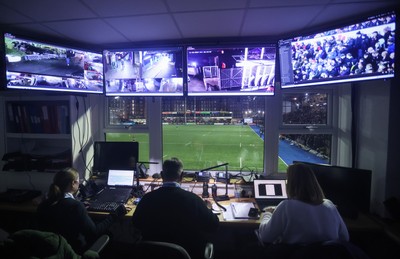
156, 176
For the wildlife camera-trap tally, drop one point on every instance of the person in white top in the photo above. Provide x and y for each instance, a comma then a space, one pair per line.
305, 217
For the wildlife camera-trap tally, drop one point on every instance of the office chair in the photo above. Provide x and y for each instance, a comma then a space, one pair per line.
329, 250
29, 243
166, 250
155, 249
334, 249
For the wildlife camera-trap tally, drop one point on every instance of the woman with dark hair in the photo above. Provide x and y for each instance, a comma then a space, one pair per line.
306, 217
61, 213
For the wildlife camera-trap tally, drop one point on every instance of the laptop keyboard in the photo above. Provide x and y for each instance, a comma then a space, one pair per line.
107, 206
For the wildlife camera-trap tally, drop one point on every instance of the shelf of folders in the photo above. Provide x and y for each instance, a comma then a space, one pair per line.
41, 117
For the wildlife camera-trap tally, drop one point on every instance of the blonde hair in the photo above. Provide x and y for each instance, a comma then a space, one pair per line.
303, 185
61, 181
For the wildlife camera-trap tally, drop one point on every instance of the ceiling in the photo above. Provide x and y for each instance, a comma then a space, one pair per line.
105, 23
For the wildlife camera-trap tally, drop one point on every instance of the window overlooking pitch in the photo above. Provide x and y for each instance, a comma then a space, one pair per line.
126, 111
305, 108
209, 131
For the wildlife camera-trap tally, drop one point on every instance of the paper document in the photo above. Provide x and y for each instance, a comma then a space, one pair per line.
240, 210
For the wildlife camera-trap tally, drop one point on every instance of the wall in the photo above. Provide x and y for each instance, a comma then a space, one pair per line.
87, 127
393, 171
372, 122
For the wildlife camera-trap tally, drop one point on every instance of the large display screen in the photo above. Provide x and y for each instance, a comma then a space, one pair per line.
223, 71
361, 51
150, 72
34, 65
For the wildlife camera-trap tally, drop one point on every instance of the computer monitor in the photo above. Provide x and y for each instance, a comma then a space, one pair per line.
348, 188
239, 70
38, 65
115, 155
363, 50
144, 72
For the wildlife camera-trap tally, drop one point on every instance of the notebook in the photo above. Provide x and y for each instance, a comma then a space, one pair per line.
119, 186
269, 192
241, 210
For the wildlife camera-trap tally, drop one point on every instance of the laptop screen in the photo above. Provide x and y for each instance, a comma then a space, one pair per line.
270, 189
120, 177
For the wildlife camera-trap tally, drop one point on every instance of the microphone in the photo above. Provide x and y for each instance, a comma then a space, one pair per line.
214, 195
213, 167
205, 193
214, 190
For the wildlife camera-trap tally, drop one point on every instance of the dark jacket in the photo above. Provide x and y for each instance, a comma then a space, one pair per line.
69, 218
172, 214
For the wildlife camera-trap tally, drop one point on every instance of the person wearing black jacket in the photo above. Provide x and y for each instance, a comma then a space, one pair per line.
61, 213
172, 214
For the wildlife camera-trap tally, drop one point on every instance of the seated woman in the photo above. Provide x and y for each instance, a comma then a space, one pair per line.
63, 214
306, 217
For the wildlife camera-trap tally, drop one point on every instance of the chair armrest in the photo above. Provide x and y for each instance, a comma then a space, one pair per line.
100, 243
209, 251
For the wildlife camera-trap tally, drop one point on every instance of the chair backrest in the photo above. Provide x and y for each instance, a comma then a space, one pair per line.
164, 250
329, 250
30, 243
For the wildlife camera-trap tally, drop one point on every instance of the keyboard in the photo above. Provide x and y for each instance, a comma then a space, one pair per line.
107, 206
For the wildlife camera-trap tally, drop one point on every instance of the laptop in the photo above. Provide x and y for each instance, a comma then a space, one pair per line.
269, 192
118, 188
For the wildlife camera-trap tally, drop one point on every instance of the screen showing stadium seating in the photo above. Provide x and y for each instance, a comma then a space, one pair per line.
144, 72
360, 51
35, 65
223, 71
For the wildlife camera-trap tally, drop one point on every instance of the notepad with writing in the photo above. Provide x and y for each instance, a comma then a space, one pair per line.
240, 210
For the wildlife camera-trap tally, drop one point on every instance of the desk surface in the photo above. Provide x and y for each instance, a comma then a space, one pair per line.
364, 222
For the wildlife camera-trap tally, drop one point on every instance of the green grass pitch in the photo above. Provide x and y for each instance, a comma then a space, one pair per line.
203, 146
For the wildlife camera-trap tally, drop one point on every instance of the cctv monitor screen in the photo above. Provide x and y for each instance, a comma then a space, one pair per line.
144, 72
35, 65
360, 51
223, 71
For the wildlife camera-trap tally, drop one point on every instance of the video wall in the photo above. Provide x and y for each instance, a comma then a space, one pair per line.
144, 72
360, 51
34, 65
236, 70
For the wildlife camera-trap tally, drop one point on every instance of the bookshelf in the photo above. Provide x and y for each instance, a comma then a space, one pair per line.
37, 133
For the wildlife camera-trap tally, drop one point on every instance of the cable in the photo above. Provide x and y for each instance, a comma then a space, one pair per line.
214, 196
195, 182
148, 187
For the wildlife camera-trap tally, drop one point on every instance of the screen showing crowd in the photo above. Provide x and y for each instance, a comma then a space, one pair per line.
361, 51
231, 70
41, 66
144, 72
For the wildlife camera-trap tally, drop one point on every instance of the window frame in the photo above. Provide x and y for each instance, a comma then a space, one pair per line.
274, 126
331, 127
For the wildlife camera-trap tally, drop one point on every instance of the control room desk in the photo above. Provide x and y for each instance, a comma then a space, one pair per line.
364, 222
231, 233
